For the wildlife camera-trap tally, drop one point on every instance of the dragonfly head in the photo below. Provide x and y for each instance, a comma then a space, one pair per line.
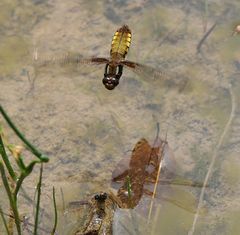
101, 197
110, 81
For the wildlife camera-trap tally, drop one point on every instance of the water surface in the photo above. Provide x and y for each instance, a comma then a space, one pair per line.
86, 129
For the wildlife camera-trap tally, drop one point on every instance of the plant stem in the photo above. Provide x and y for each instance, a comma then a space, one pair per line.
32, 148
157, 179
38, 200
6, 160
55, 213
23, 175
129, 188
19, 183
13, 203
4, 221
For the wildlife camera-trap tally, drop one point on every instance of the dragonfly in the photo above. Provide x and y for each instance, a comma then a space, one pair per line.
121, 42
136, 175
100, 216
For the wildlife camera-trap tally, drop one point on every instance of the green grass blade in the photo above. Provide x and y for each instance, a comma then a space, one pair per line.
6, 160
38, 200
13, 203
32, 148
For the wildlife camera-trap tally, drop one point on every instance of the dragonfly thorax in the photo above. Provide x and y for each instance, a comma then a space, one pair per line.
112, 75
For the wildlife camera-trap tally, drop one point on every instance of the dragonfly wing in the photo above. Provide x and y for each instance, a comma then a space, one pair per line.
185, 200
66, 59
179, 197
120, 172
144, 69
182, 182
167, 79
165, 160
75, 204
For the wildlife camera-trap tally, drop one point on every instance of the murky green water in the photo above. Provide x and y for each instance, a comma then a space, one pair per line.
86, 129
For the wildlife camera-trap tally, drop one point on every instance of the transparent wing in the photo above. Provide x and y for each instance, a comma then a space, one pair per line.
66, 59
77, 204
181, 181
182, 198
148, 73
74, 216
140, 69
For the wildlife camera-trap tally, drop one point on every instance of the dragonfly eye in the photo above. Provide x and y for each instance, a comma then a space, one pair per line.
105, 79
104, 196
100, 197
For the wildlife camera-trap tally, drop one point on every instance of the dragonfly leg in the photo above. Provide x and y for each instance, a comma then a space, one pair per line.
120, 70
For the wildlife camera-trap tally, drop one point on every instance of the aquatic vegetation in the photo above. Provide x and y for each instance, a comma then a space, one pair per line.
13, 178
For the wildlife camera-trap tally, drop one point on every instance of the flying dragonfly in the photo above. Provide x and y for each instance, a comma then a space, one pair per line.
114, 64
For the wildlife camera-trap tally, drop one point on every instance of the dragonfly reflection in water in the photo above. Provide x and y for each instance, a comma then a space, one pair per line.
114, 65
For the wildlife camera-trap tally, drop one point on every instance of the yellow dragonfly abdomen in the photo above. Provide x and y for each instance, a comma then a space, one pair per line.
121, 42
